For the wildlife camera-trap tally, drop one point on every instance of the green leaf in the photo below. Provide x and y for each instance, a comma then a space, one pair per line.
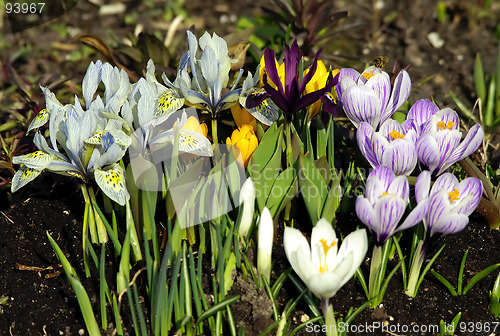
312, 187
479, 81
283, 191
265, 164
480, 276
445, 282
81, 294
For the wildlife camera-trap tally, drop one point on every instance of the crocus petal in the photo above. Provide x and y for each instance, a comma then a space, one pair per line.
438, 204
420, 112
400, 92
321, 233
400, 187
325, 285
366, 213
401, 156
347, 77
364, 135
446, 182
381, 84
389, 210
356, 243
414, 217
451, 223
361, 103
298, 253
422, 186
428, 152
471, 142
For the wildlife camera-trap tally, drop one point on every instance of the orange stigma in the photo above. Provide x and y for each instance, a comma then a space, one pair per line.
326, 247
396, 135
454, 195
444, 126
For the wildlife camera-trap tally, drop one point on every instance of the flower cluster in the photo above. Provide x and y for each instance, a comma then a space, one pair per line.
429, 136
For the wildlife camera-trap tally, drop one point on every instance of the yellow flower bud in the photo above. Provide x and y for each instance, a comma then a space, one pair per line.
246, 141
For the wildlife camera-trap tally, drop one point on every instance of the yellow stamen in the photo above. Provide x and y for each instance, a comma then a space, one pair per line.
368, 75
326, 247
396, 135
444, 126
386, 193
454, 195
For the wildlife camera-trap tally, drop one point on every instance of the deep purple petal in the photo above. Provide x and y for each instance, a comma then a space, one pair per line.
270, 62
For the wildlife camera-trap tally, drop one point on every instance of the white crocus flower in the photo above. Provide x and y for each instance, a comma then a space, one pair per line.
322, 266
265, 244
247, 201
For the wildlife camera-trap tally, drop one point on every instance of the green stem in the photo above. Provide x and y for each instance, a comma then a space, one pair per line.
416, 265
289, 149
215, 139
330, 323
375, 276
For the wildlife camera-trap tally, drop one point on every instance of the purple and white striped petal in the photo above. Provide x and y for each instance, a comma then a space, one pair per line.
451, 223
346, 77
469, 145
400, 187
401, 156
400, 93
439, 203
422, 186
470, 191
366, 213
428, 152
361, 103
389, 210
415, 216
381, 84
364, 136
421, 112
446, 182
447, 142
441, 120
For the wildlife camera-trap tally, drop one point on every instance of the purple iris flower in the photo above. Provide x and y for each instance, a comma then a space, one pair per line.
384, 202
438, 146
288, 96
368, 96
392, 146
449, 202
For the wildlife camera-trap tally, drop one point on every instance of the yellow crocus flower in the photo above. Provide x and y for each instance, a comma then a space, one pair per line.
317, 82
245, 139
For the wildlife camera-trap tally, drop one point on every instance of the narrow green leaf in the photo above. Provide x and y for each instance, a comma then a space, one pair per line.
81, 294
479, 80
445, 282
480, 276
461, 273
217, 308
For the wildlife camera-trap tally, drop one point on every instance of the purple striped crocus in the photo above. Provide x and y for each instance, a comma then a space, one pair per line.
368, 96
449, 202
392, 146
420, 112
384, 202
438, 146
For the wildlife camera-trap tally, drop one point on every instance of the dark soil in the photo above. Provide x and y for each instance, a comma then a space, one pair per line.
41, 301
